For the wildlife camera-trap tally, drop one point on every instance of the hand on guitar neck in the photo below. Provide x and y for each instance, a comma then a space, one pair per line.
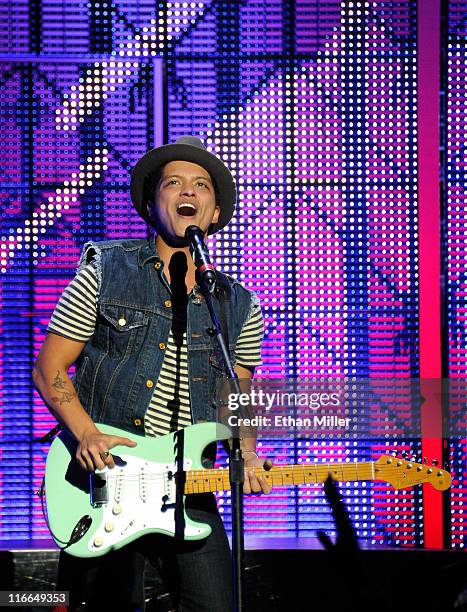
256, 483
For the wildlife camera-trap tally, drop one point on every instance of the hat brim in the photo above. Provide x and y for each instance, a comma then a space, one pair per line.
153, 160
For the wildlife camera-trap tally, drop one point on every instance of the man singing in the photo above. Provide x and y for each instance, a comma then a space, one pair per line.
136, 324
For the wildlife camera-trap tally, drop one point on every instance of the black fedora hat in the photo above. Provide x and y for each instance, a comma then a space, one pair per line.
185, 148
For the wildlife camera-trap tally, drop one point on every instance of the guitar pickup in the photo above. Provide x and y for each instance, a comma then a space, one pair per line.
98, 489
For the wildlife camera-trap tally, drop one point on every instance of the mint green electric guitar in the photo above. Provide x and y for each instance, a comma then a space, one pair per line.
90, 514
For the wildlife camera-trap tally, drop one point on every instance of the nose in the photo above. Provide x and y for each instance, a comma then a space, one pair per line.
187, 189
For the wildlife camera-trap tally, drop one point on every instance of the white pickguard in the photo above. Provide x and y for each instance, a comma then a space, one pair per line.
141, 498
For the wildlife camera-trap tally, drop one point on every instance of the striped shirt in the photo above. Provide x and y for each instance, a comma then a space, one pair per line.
75, 318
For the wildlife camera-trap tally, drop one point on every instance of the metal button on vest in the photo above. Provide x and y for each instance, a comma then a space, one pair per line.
122, 321
157, 265
137, 422
162, 345
149, 383
168, 304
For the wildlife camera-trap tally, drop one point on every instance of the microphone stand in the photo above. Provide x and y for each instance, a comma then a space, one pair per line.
236, 467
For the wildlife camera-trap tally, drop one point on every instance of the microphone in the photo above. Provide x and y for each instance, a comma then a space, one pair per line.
199, 251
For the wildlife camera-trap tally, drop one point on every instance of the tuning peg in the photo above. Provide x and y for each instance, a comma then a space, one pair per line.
435, 462
404, 454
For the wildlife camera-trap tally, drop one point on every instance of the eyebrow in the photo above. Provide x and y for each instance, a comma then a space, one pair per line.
195, 178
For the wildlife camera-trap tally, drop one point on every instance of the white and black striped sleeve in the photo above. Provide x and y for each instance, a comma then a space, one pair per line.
75, 314
248, 349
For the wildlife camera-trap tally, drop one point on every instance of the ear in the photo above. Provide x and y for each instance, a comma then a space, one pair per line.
215, 217
152, 215
150, 210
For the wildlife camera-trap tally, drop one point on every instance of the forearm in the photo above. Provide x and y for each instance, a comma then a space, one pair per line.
57, 391
248, 446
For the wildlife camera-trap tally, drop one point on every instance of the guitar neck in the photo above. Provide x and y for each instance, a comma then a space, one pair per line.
204, 481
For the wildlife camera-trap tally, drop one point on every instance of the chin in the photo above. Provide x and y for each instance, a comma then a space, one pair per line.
190, 221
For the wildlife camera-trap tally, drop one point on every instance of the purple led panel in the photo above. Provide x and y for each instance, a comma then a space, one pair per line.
337, 275
355, 193
297, 99
14, 26
455, 250
65, 179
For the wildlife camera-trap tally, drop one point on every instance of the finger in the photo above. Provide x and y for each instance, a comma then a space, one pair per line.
325, 540
100, 465
109, 462
246, 484
81, 462
87, 459
254, 483
265, 484
123, 441
105, 459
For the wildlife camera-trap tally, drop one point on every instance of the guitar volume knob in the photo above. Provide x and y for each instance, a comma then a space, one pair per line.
109, 527
116, 509
98, 542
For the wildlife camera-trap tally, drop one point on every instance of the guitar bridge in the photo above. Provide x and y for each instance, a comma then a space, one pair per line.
98, 489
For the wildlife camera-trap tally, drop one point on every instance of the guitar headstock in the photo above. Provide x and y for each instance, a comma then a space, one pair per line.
401, 473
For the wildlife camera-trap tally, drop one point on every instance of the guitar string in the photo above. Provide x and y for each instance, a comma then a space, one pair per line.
324, 469
284, 472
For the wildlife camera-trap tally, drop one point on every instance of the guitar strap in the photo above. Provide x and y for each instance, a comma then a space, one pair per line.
50, 435
223, 294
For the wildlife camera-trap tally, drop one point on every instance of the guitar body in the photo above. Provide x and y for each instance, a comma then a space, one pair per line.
92, 514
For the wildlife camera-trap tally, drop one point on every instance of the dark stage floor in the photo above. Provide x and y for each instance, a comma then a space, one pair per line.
293, 574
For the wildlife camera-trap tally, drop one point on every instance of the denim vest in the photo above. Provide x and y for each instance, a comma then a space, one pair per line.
120, 364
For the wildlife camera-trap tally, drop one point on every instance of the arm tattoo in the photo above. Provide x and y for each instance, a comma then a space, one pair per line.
59, 384
65, 398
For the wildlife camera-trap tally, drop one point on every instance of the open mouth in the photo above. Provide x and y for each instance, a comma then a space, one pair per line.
186, 209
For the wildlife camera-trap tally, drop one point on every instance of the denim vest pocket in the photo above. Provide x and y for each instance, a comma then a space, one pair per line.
122, 329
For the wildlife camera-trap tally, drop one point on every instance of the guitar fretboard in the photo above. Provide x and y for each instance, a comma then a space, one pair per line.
204, 481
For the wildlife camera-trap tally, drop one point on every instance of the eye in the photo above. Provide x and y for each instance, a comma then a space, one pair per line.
202, 184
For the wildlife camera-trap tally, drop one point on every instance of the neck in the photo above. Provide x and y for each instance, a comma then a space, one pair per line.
166, 252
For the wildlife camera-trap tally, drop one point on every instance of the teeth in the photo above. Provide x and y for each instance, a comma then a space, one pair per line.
186, 209
188, 204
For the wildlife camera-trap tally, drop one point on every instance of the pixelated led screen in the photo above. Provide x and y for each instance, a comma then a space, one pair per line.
455, 271
312, 105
